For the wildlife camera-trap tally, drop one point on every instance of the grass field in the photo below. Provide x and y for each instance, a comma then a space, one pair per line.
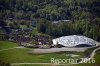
97, 57
21, 55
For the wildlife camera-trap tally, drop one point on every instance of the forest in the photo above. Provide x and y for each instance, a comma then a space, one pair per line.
84, 16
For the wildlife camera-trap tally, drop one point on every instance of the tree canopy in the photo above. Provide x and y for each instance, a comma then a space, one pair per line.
85, 16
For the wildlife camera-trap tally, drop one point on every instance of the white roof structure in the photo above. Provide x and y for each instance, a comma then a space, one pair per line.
73, 40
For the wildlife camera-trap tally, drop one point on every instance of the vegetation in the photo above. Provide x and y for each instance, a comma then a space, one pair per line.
21, 55
97, 57
3, 63
7, 44
89, 51
84, 16
84, 19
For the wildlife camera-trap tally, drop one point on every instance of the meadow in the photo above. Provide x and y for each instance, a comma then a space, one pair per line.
21, 55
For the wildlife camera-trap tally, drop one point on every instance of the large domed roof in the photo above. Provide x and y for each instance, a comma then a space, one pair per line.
73, 40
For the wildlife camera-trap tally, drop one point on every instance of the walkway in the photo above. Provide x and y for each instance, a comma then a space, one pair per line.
91, 55
12, 48
52, 50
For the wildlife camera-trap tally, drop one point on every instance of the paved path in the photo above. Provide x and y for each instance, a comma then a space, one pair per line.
51, 50
91, 55
11, 48
39, 64
30, 63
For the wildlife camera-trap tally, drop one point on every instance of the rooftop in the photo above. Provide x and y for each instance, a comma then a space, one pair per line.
73, 40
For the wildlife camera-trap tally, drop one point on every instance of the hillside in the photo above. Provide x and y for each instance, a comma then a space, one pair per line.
85, 16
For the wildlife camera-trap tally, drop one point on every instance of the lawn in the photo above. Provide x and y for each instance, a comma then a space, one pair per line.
7, 44
97, 57
21, 55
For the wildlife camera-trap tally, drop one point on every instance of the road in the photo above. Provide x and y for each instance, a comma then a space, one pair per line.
52, 50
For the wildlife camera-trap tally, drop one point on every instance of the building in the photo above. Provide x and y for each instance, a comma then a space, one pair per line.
74, 41
59, 21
